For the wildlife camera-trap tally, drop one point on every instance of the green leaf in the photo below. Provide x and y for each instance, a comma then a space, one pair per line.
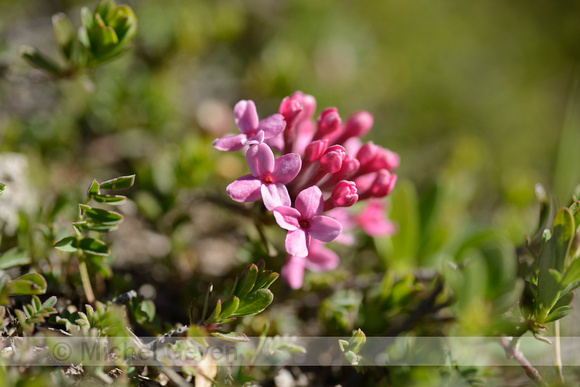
49, 303
101, 216
103, 40
246, 281
93, 246
113, 200
229, 307
572, 274
564, 300
236, 337
93, 189
32, 283
563, 233
124, 22
36, 59
254, 303
87, 18
216, 312
557, 314
104, 7
63, 31
12, 258
68, 244
2, 188
122, 182
405, 213
265, 279
92, 226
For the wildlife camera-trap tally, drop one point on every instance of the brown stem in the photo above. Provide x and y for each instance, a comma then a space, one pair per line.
518, 356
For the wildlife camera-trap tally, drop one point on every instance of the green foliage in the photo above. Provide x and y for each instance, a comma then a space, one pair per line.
35, 313
250, 295
105, 34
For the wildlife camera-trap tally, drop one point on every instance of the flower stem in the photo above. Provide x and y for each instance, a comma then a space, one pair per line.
86, 280
558, 351
518, 356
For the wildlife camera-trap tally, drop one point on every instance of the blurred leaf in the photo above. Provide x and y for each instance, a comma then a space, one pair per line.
405, 213
254, 303
236, 337
559, 313
87, 19
123, 21
122, 182
64, 34
13, 257
2, 188
36, 59
104, 7
563, 233
31, 283
572, 274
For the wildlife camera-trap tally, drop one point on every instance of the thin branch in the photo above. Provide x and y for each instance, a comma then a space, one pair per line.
518, 356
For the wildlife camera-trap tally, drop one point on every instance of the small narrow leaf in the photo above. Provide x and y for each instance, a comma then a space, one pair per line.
563, 233
122, 182
265, 279
93, 189
63, 31
236, 337
216, 312
49, 303
101, 216
36, 59
246, 281
254, 303
559, 313
572, 274
113, 200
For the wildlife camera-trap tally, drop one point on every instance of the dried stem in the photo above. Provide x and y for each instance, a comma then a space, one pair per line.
518, 356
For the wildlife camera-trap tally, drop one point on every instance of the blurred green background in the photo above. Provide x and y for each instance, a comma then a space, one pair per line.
490, 80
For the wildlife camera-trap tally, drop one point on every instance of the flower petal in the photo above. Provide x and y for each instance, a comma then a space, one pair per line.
293, 271
275, 195
230, 143
309, 202
287, 217
245, 189
260, 159
320, 258
246, 116
324, 228
286, 168
272, 126
297, 242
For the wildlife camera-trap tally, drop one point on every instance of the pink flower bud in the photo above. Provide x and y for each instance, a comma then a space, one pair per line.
331, 161
367, 154
344, 194
308, 103
329, 123
290, 109
383, 184
357, 125
315, 150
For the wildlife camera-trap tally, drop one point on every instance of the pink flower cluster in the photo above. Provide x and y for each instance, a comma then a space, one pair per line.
323, 168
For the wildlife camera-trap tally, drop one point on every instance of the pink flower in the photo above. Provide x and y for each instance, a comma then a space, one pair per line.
253, 130
319, 259
267, 177
305, 222
374, 222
